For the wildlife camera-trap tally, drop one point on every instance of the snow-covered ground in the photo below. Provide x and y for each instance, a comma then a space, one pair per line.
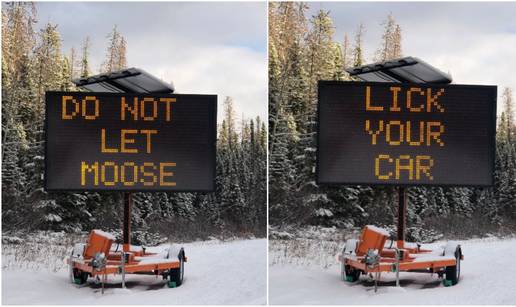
488, 276
216, 273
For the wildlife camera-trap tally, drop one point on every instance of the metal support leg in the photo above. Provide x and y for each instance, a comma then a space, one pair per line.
128, 203
342, 271
402, 213
123, 270
104, 278
376, 278
398, 256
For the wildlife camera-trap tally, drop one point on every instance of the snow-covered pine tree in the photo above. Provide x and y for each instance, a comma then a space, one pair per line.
390, 47
18, 35
396, 43
505, 173
358, 49
346, 52
116, 58
73, 61
85, 65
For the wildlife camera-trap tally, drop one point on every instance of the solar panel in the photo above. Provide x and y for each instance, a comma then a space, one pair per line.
131, 80
407, 69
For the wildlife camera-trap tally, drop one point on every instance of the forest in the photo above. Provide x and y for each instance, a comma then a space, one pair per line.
33, 62
303, 50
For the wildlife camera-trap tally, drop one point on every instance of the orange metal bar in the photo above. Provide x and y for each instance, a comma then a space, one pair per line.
382, 267
386, 265
405, 266
113, 267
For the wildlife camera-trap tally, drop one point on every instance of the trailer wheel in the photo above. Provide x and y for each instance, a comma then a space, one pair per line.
176, 275
79, 277
352, 274
453, 272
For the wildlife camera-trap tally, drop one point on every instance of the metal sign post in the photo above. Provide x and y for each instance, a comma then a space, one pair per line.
128, 203
402, 213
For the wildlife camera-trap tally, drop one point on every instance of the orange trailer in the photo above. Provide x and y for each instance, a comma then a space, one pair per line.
371, 254
100, 257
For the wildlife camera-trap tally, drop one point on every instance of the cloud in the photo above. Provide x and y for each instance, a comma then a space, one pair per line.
224, 70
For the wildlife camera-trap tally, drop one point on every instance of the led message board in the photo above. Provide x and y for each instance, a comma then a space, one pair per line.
405, 134
130, 142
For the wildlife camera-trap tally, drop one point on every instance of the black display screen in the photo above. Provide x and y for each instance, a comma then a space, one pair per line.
405, 134
130, 142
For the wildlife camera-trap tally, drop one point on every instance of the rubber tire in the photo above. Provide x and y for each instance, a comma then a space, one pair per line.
352, 273
176, 275
453, 272
80, 277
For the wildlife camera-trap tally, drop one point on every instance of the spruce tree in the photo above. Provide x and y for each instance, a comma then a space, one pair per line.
116, 58
390, 47
85, 66
358, 52
73, 61
346, 52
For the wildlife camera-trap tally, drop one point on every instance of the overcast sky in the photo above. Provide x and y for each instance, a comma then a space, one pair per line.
474, 41
204, 48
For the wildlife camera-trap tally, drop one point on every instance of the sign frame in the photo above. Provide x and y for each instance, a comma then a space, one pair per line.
493, 101
214, 101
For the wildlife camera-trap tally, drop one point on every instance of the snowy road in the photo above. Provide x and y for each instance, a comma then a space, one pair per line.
488, 276
216, 273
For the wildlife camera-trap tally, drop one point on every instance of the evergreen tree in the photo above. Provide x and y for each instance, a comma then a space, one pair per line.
358, 51
338, 63
121, 60
505, 170
324, 59
116, 52
18, 35
287, 26
72, 62
230, 120
66, 84
396, 44
390, 47
287, 81
346, 52
13, 143
508, 113
85, 66
49, 63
